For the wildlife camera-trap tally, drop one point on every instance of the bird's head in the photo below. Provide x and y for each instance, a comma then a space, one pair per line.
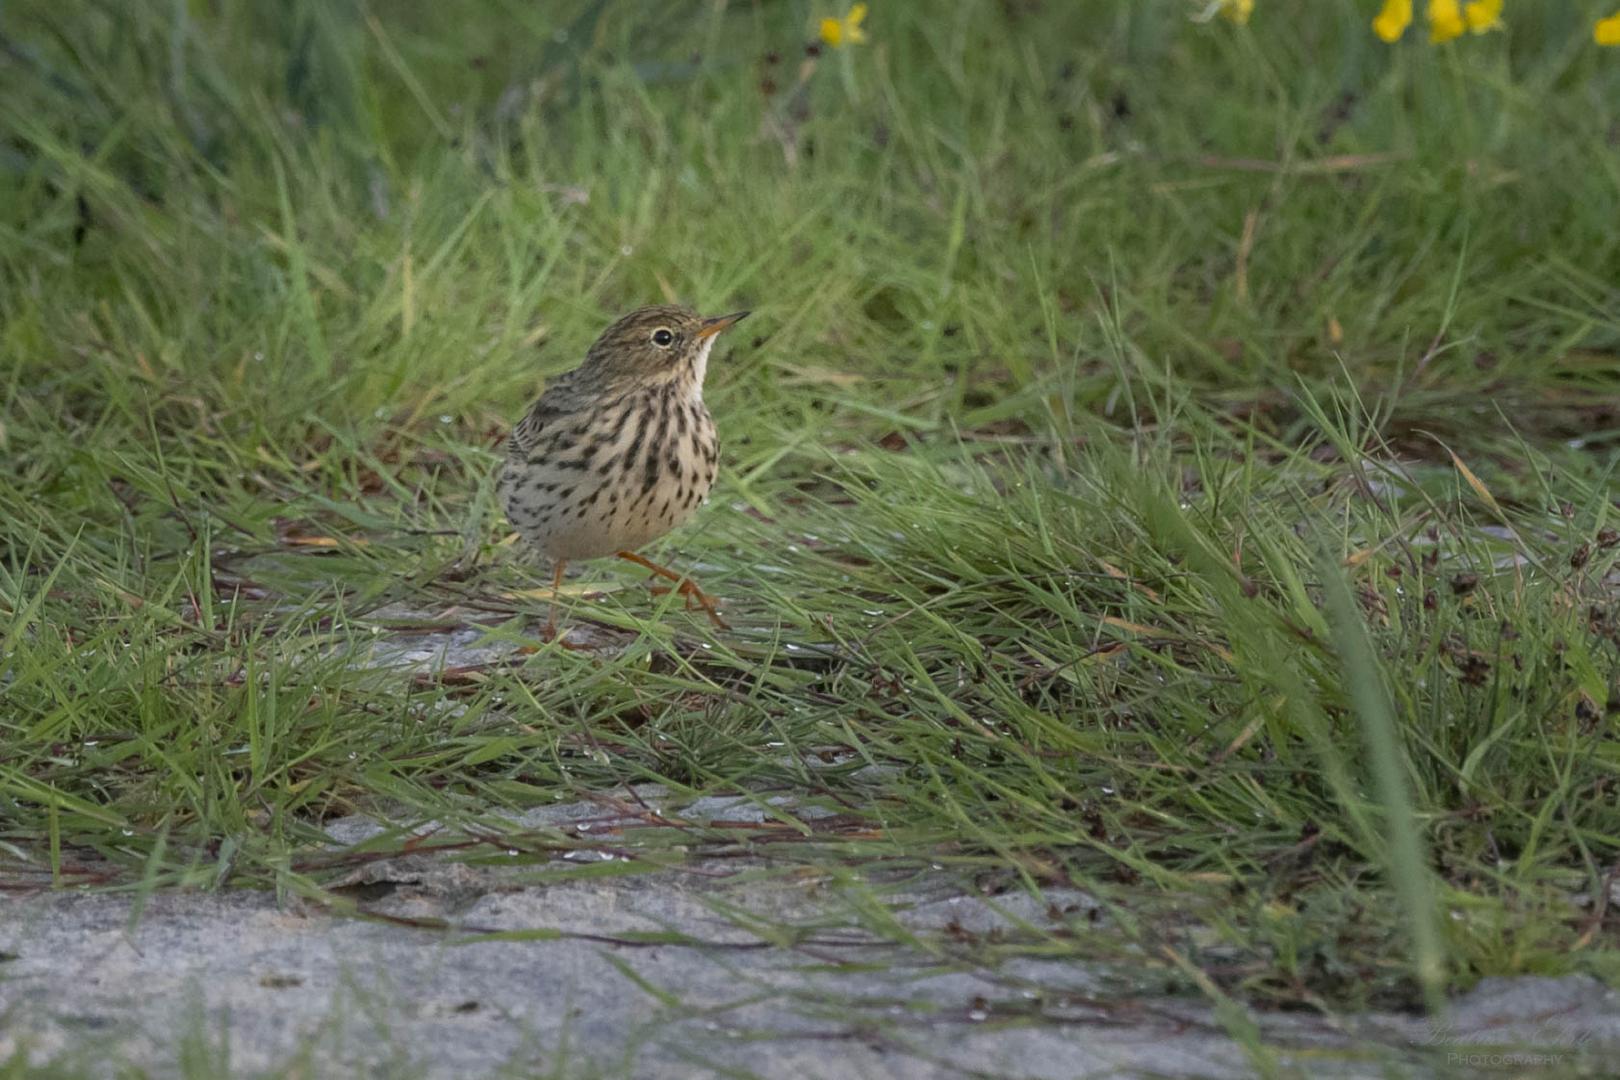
658, 345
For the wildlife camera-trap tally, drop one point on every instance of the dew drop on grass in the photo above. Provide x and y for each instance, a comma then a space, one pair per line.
790, 647
353, 755
626, 250
127, 832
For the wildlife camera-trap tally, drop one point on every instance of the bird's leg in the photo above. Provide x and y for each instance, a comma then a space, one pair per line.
683, 585
556, 588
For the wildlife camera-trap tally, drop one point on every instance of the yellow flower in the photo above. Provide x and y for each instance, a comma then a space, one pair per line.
1483, 15
1238, 10
1445, 20
1607, 31
836, 32
1393, 20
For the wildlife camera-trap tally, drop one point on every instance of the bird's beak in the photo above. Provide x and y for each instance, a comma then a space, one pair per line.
711, 327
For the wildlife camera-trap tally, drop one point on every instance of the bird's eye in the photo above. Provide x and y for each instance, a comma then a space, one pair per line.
663, 338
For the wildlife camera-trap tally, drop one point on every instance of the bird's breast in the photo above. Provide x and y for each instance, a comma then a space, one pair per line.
614, 479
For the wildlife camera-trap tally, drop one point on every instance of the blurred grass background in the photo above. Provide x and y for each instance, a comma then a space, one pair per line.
1169, 458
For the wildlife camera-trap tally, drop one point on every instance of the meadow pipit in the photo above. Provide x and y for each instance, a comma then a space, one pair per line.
620, 450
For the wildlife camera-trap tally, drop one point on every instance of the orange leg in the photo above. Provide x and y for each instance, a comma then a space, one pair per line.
683, 585
556, 588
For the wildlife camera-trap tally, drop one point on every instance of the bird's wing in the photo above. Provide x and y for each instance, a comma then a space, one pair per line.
557, 402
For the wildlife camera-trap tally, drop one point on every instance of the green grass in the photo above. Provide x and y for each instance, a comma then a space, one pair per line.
1181, 456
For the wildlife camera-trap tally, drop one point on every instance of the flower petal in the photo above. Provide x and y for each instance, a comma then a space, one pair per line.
1393, 20
1483, 15
1445, 20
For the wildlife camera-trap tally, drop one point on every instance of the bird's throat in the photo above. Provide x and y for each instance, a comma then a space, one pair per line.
693, 373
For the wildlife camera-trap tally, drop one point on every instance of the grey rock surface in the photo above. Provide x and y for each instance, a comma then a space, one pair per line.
477, 969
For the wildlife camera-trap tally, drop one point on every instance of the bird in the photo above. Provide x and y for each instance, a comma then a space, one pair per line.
619, 450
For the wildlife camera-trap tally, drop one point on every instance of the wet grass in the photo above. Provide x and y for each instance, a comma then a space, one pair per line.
1168, 460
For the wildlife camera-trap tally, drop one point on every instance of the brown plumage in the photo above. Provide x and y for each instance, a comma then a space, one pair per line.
621, 449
